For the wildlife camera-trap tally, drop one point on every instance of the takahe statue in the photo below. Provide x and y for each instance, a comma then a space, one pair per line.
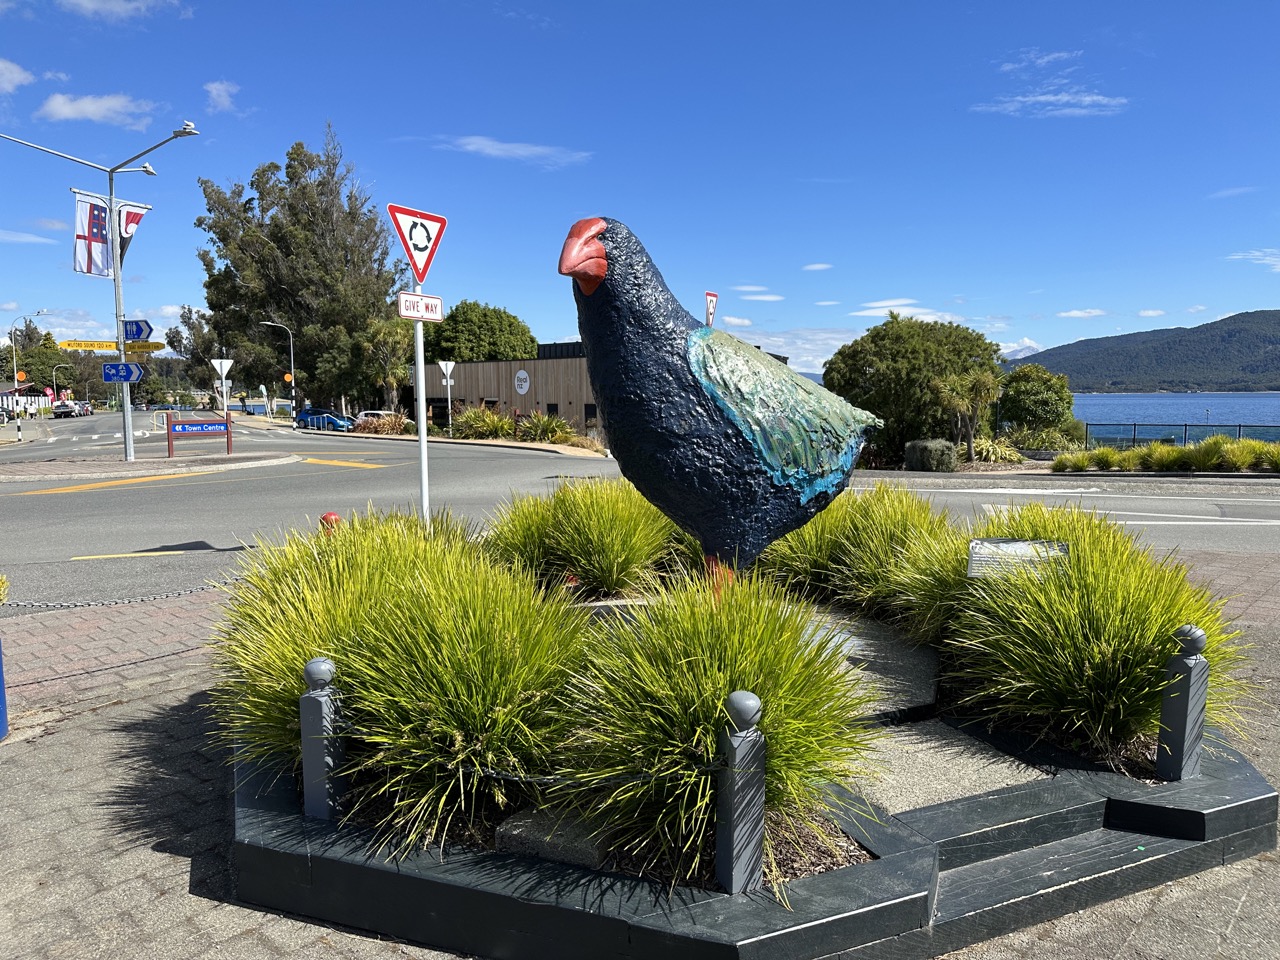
725, 440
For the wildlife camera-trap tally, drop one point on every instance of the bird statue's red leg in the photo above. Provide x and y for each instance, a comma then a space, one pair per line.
720, 574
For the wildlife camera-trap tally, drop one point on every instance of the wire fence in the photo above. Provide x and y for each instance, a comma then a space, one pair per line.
1121, 436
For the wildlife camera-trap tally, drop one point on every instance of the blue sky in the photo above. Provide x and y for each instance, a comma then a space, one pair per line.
1040, 172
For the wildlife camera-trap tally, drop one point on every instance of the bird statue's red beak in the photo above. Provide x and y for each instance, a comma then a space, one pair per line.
583, 256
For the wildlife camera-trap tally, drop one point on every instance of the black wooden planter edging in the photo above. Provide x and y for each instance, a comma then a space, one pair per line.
946, 876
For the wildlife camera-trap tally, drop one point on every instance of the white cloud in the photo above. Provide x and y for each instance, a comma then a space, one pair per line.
807, 349
1197, 308
116, 109
768, 297
735, 321
1151, 313
1082, 314
49, 223
57, 75
827, 303
1033, 57
749, 288
13, 76
549, 158
9, 306
1075, 102
114, 9
816, 266
873, 312
1230, 192
12, 236
1268, 257
168, 312
891, 303
221, 94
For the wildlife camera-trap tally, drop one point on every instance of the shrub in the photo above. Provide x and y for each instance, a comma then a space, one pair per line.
448, 666
482, 423
931, 456
1269, 458
391, 425
805, 560
539, 427
1130, 459
600, 534
1161, 457
650, 704
995, 451
1077, 649
1048, 439
1104, 458
1205, 455
1070, 462
1244, 454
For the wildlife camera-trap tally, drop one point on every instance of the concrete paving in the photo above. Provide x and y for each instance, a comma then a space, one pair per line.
115, 819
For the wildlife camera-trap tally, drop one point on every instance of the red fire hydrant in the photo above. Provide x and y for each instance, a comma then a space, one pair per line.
329, 521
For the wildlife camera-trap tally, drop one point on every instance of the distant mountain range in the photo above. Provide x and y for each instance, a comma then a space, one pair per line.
1240, 352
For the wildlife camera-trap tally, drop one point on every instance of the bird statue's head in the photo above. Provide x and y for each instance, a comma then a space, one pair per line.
600, 251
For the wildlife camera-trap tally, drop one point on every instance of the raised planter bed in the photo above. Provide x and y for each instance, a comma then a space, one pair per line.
946, 875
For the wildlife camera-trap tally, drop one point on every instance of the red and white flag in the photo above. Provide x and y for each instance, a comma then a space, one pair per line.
93, 239
93, 235
130, 215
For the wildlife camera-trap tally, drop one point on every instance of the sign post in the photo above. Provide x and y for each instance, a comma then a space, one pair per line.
419, 234
712, 299
222, 365
446, 367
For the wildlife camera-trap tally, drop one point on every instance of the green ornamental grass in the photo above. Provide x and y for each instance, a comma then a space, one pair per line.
650, 705
1077, 649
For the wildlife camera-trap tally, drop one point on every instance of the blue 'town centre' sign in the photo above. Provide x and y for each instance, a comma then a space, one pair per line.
121, 372
199, 426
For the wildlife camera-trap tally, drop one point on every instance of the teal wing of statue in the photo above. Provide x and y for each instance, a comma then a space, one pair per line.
807, 437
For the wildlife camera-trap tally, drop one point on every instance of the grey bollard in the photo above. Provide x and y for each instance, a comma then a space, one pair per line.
1183, 711
322, 752
740, 797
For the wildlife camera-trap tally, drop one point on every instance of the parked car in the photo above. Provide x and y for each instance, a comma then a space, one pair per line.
377, 415
86, 408
65, 408
316, 418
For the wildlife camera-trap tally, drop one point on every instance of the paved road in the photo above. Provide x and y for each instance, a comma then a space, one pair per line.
114, 808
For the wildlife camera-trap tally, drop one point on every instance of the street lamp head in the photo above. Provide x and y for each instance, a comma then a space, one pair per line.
149, 170
188, 129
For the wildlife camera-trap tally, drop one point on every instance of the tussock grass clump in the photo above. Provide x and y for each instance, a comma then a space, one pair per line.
1162, 457
539, 427
650, 705
1104, 458
453, 696
805, 560
1077, 649
1205, 455
601, 535
999, 450
1074, 462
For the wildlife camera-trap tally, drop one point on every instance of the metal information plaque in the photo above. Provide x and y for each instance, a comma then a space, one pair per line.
998, 555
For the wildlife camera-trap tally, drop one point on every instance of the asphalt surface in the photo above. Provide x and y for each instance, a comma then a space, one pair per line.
115, 810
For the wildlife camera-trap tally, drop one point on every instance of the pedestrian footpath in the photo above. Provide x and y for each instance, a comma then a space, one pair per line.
115, 809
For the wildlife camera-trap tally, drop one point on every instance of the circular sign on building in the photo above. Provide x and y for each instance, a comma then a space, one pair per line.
522, 382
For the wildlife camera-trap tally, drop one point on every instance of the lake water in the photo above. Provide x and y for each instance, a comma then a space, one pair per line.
1197, 408
1177, 417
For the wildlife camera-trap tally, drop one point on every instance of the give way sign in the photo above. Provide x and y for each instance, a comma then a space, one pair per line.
420, 233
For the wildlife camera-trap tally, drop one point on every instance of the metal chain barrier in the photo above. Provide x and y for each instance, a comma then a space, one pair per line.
73, 604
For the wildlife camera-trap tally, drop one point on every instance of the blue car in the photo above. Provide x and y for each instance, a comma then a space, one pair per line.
314, 418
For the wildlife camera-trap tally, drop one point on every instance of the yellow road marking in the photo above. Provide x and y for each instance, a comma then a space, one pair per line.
113, 483
140, 553
346, 463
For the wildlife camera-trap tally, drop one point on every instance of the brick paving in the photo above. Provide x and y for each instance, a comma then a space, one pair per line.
115, 818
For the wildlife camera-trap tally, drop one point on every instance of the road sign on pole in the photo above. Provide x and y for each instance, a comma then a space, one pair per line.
417, 306
420, 233
138, 330
121, 372
712, 299
90, 345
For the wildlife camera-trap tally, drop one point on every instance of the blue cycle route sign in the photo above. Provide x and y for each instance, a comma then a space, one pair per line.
121, 372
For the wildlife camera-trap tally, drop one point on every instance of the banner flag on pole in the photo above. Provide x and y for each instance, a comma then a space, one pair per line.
93, 247
93, 236
130, 215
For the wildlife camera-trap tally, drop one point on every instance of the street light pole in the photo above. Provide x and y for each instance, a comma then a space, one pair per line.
188, 129
293, 378
55, 378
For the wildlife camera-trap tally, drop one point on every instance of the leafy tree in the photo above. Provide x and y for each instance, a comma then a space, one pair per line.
301, 245
1036, 399
968, 396
477, 331
892, 370
388, 347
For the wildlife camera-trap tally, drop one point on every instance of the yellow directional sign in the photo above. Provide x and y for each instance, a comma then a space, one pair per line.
133, 346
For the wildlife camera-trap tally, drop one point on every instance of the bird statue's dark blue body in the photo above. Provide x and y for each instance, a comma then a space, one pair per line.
725, 440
